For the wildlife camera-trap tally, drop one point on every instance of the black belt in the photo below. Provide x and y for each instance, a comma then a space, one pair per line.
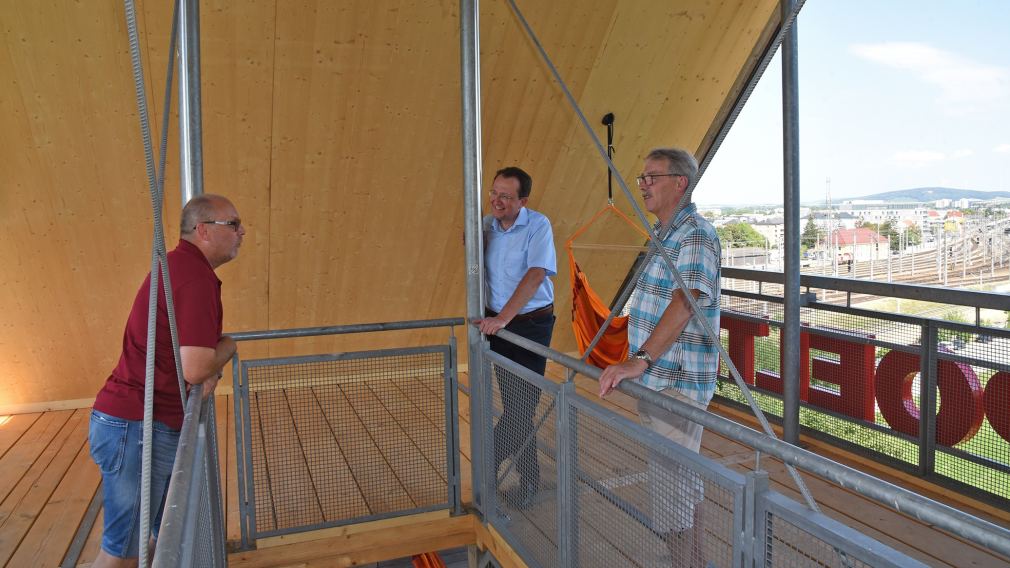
537, 313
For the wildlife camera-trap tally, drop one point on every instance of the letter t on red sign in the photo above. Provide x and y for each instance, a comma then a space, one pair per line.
741, 335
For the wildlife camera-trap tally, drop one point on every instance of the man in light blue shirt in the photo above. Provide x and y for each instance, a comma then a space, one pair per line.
519, 259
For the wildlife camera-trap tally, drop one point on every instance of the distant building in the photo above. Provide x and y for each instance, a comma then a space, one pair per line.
773, 229
859, 244
830, 221
877, 212
746, 257
781, 211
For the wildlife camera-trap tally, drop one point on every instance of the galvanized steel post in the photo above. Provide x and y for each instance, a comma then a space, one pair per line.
928, 379
755, 549
567, 454
452, 427
791, 200
190, 118
469, 48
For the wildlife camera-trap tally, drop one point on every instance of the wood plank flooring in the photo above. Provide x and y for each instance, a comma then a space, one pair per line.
47, 478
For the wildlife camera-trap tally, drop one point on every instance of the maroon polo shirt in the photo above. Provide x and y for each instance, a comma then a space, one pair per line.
196, 292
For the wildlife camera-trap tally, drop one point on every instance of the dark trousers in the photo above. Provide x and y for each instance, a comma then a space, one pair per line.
519, 398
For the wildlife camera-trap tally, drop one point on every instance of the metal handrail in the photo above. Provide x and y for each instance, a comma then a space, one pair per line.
344, 329
177, 535
922, 508
938, 294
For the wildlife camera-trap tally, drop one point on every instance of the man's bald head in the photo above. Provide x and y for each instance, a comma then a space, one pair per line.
212, 223
200, 208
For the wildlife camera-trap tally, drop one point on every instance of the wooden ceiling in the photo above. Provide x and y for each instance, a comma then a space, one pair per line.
335, 129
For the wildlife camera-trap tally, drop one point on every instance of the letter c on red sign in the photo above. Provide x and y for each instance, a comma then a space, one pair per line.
960, 411
997, 403
894, 391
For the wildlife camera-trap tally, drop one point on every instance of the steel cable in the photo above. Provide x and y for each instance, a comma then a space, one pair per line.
155, 176
654, 236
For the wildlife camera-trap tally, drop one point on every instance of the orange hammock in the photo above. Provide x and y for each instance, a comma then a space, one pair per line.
589, 311
427, 560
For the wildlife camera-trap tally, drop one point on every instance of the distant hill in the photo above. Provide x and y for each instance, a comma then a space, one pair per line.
934, 193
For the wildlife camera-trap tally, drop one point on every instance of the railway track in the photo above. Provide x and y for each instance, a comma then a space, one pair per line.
919, 268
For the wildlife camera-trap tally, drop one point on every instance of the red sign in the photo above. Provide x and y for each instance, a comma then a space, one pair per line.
962, 404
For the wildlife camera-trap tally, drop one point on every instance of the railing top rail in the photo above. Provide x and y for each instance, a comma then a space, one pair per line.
174, 522
939, 294
962, 524
917, 320
344, 329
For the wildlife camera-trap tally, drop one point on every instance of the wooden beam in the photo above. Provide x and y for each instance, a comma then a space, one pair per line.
490, 539
352, 546
46, 406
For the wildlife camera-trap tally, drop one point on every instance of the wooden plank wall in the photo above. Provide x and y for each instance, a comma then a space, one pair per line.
335, 128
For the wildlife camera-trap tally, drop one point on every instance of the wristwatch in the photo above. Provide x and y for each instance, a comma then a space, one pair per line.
644, 356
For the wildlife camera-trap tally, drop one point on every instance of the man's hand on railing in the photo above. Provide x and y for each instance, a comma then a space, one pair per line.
491, 325
614, 374
210, 384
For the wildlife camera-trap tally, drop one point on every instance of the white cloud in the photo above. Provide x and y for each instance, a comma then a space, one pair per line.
917, 158
963, 153
1002, 149
961, 81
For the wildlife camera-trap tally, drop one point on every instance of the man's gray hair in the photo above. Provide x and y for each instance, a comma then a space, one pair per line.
681, 162
200, 208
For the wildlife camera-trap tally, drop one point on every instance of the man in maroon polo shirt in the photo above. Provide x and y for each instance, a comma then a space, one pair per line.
211, 233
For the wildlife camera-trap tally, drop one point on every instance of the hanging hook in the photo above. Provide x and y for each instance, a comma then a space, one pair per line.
608, 121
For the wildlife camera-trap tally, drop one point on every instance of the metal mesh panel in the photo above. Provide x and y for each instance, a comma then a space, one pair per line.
205, 546
192, 530
970, 416
849, 342
881, 329
973, 403
340, 437
640, 508
524, 450
788, 545
625, 496
624, 510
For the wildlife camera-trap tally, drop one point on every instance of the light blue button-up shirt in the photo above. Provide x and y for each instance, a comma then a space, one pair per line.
509, 254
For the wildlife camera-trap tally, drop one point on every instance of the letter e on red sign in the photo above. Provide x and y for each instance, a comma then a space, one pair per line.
853, 373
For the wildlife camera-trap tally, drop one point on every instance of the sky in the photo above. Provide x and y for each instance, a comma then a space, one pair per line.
894, 94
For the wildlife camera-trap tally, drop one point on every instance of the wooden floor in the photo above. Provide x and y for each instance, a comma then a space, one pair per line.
47, 481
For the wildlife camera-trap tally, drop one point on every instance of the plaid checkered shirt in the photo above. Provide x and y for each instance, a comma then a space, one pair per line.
691, 364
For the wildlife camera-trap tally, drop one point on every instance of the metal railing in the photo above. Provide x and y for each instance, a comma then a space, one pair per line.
911, 390
334, 439
192, 526
601, 501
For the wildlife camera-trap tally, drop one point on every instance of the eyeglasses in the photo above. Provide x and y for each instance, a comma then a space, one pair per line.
235, 224
645, 180
503, 196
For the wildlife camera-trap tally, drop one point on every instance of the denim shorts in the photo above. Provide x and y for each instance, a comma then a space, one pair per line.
117, 446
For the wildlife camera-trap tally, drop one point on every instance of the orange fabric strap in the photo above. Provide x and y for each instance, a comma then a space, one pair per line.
589, 311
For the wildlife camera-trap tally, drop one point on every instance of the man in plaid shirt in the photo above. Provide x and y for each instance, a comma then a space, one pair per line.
671, 353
